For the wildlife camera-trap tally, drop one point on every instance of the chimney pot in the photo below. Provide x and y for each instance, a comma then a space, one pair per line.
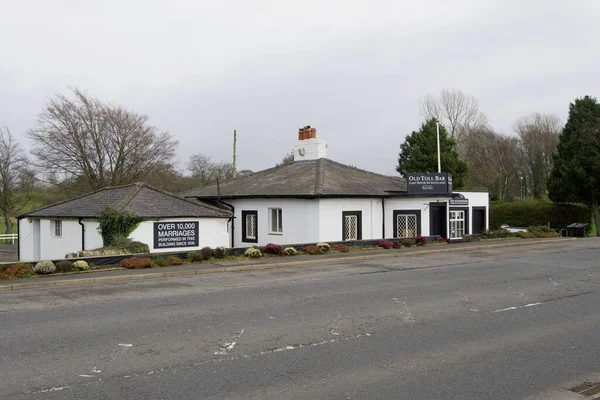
313, 133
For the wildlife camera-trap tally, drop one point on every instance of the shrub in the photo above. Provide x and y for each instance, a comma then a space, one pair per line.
16, 271
129, 245
341, 248
312, 250
421, 240
525, 235
409, 242
161, 262
116, 223
196, 256
325, 247
497, 234
221, 252
396, 245
136, 263
290, 251
64, 266
81, 265
206, 252
440, 239
386, 244
531, 213
252, 253
44, 267
173, 260
273, 248
467, 238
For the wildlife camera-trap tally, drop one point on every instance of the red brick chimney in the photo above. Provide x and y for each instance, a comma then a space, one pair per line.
307, 133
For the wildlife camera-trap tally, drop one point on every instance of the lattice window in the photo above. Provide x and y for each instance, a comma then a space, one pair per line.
351, 227
251, 226
406, 225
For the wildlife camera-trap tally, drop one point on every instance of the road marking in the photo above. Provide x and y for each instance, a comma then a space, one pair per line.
228, 346
86, 376
125, 345
554, 282
54, 389
516, 308
321, 343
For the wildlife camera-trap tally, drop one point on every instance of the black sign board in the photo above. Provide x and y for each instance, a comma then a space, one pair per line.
429, 183
459, 200
175, 234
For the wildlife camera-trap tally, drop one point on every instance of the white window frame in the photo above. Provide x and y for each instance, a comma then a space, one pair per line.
457, 224
278, 214
57, 228
406, 230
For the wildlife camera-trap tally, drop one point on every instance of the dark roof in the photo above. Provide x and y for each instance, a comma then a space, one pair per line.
139, 198
305, 179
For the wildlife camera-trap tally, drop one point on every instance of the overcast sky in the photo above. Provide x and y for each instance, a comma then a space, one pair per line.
355, 70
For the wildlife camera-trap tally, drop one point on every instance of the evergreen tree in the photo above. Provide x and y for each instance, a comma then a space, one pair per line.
418, 153
575, 176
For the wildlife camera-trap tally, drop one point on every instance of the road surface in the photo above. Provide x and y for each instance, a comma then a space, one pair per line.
507, 323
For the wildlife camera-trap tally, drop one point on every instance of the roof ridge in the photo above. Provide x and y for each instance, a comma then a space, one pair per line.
319, 177
63, 201
240, 179
195, 203
122, 204
364, 170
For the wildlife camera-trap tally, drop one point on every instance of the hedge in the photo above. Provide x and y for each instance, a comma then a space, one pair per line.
524, 214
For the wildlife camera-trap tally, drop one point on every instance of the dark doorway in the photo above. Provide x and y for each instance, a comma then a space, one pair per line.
437, 219
478, 220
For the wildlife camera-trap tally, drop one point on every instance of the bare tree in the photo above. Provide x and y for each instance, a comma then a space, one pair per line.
16, 179
206, 172
287, 159
538, 134
455, 110
494, 162
105, 144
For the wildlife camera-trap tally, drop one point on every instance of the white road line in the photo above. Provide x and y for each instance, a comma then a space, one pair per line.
516, 308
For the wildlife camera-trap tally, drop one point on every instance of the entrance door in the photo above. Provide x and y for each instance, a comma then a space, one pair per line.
478, 220
457, 224
352, 225
437, 218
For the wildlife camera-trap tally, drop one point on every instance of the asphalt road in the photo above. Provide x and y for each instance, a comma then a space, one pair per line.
488, 324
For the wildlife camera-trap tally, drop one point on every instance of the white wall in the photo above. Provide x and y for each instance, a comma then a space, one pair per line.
331, 223
300, 218
409, 203
477, 199
212, 232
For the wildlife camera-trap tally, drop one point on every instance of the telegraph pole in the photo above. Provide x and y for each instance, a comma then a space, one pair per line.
234, 149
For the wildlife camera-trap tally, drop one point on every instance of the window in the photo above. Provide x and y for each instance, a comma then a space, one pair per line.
250, 226
457, 224
351, 225
275, 221
407, 223
57, 227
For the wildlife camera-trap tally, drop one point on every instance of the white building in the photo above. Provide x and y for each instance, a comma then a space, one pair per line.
170, 223
316, 199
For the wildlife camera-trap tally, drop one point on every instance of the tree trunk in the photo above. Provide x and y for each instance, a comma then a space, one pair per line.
9, 224
596, 216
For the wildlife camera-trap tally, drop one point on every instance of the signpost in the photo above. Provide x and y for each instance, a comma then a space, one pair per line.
429, 183
175, 234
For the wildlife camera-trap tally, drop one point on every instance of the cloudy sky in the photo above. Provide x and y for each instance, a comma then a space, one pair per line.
355, 70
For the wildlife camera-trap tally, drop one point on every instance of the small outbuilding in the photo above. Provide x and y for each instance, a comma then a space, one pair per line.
170, 223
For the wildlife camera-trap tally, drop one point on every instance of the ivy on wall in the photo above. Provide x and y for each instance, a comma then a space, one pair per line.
116, 223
